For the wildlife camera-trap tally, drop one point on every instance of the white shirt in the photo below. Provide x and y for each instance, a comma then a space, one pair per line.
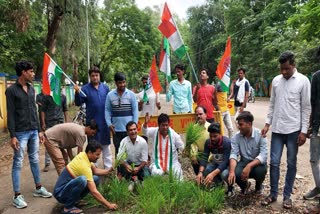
149, 106
136, 153
176, 141
290, 107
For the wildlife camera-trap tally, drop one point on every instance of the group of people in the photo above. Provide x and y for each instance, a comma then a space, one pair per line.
216, 159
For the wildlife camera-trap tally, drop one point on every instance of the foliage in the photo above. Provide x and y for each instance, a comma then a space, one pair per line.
160, 194
193, 134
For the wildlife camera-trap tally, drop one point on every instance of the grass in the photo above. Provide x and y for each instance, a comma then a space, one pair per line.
160, 194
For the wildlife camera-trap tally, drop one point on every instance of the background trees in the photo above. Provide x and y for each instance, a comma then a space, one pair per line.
124, 37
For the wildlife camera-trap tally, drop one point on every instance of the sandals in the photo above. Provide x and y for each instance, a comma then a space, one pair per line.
73, 210
268, 200
287, 203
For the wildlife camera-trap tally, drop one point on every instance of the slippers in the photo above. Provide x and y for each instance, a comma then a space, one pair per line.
312, 210
73, 210
81, 203
268, 200
287, 203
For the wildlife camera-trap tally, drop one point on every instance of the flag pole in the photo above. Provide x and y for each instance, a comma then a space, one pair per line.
192, 68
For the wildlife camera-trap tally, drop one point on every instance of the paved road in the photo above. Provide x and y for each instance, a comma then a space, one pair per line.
39, 205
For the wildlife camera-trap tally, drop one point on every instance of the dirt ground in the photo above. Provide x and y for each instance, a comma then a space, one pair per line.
236, 204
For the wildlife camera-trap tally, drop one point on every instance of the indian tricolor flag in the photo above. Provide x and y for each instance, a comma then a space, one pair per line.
165, 58
224, 67
170, 30
51, 79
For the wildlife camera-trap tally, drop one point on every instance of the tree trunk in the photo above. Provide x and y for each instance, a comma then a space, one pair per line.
53, 29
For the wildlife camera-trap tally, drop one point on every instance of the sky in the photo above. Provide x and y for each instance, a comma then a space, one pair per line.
176, 6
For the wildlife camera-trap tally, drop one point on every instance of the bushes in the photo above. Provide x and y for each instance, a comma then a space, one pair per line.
159, 194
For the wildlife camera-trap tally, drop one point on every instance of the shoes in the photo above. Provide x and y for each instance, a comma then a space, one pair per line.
312, 194
246, 189
46, 168
19, 202
42, 192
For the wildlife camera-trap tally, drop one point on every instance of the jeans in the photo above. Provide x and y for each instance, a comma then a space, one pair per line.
258, 173
47, 158
69, 190
227, 122
28, 139
315, 158
277, 143
117, 137
223, 176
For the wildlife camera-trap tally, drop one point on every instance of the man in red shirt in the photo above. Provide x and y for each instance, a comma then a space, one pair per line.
205, 95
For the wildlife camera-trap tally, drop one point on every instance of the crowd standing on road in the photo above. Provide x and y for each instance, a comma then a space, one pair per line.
216, 159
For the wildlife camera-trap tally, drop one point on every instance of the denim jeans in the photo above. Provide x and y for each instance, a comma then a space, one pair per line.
29, 139
223, 176
277, 143
47, 158
258, 173
69, 190
315, 158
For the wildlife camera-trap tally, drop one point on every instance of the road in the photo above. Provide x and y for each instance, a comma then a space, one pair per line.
46, 206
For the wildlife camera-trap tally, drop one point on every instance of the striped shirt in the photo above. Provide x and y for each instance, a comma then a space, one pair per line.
121, 109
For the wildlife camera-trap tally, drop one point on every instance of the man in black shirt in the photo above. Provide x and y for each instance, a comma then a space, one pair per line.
216, 169
23, 126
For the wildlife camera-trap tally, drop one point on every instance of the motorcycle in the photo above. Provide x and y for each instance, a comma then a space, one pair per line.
251, 97
80, 117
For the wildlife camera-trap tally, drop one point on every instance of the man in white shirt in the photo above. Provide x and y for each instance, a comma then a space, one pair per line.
288, 114
148, 100
133, 155
166, 143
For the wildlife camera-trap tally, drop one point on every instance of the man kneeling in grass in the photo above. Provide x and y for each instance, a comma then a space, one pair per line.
216, 169
79, 178
133, 156
166, 143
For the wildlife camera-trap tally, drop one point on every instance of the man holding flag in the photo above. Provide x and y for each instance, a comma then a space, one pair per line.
150, 97
147, 98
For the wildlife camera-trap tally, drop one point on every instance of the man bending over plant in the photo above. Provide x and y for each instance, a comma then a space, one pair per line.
166, 143
216, 169
133, 155
79, 178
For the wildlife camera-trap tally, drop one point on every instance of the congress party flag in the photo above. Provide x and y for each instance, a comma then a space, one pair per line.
153, 84
170, 30
165, 58
224, 67
51, 79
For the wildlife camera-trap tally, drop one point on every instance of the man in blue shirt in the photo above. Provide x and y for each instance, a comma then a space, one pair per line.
180, 89
96, 94
253, 151
121, 107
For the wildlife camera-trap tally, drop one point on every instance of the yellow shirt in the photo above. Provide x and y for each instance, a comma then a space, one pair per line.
222, 98
80, 165
198, 147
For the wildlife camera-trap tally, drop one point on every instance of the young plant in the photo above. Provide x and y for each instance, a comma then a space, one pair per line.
193, 134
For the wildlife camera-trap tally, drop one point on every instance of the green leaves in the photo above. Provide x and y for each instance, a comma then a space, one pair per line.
193, 134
